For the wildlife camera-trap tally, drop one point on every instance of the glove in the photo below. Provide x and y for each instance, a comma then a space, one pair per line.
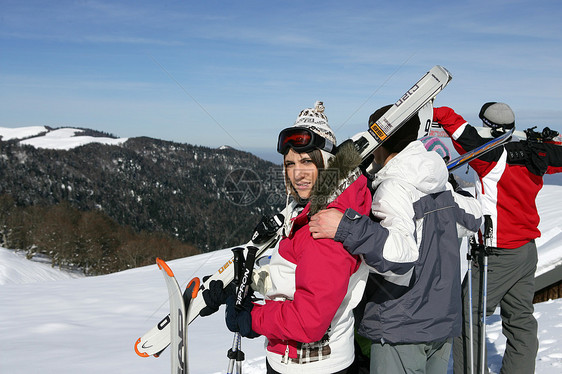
240, 320
457, 188
548, 134
215, 296
454, 183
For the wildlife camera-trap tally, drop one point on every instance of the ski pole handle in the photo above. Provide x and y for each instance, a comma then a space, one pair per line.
246, 277
488, 231
238, 263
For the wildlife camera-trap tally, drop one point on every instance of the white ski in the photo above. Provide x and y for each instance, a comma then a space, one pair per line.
177, 316
421, 93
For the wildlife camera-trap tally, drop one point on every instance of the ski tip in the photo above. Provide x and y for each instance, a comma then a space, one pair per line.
443, 70
164, 266
194, 285
141, 354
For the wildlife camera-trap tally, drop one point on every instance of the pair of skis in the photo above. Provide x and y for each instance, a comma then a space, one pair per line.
181, 304
154, 341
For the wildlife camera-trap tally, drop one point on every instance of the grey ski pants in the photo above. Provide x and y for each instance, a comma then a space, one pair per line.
420, 358
511, 285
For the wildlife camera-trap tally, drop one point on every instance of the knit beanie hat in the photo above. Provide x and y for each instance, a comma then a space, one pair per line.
315, 120
497, 115
435, 144
406, 134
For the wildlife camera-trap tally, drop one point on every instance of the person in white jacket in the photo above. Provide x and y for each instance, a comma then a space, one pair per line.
413, 298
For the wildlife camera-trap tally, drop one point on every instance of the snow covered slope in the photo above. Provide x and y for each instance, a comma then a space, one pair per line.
56, 322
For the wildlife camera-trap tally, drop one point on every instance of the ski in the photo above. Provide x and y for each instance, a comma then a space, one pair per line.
178, 313
421, 93
479, 151
546, 136
417, 97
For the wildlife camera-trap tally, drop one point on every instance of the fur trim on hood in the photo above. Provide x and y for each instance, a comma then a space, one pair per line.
342, 171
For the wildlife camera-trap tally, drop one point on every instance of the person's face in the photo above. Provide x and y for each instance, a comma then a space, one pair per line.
301, 171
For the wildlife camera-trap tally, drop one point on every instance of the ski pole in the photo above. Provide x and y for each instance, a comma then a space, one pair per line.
238, 263
471, 244
235, 354
488, 231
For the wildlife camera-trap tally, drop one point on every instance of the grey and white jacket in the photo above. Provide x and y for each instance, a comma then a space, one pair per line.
412, 248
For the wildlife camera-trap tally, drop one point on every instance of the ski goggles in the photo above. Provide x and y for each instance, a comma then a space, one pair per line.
301, 139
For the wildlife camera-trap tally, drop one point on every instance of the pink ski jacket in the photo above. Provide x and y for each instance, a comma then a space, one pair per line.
307, 317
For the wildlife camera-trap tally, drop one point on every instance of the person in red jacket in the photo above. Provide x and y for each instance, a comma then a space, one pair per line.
307, 316
508, 181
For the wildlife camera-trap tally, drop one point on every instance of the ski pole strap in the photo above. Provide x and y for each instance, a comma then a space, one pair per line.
476, 249
246, 277
481, 249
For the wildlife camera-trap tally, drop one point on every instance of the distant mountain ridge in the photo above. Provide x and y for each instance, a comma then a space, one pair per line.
211, 198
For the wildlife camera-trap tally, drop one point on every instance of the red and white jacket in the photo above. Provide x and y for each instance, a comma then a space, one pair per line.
308, 314
509, 179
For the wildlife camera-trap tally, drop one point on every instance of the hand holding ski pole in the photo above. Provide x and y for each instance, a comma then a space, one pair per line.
238, 309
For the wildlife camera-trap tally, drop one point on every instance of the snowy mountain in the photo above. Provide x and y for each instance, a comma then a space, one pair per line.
57, 322
205, 197
45, 137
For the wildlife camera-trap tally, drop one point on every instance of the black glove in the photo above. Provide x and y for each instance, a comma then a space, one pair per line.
240, 320
457, 188
215, 296
454, 183
548, 134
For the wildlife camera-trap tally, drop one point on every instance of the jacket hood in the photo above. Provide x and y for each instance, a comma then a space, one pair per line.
417, 166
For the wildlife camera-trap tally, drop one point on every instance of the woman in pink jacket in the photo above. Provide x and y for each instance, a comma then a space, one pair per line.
307, 316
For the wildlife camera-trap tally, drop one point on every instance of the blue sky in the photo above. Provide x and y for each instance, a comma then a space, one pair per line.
237, 72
